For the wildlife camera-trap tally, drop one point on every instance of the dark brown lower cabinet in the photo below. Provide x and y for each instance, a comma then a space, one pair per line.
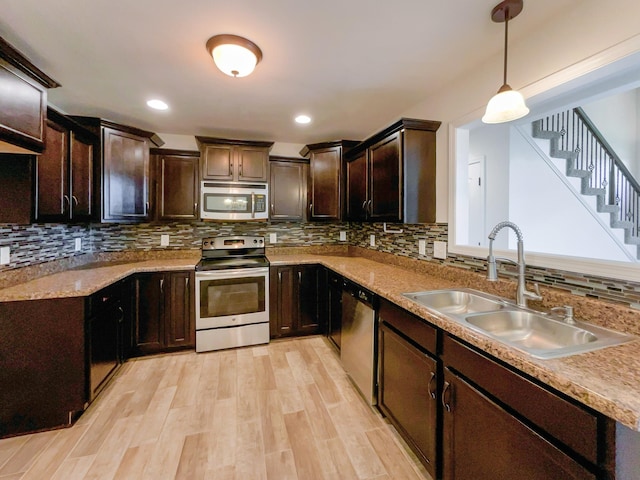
163, 312
295, 303
498, 424
408, 394
334, 307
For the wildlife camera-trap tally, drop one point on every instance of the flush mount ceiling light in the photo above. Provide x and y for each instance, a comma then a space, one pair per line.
507, 104
236, 56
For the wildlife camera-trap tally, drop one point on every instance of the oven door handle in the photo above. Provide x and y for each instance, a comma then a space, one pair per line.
232, 273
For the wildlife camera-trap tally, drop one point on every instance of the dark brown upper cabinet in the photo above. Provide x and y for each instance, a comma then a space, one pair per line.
327, 179
391, 177
234, 160
23, 102
176, 184
288, 189
124, 173
65, 189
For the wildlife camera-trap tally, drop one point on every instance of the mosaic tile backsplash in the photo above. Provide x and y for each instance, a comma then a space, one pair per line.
40, 243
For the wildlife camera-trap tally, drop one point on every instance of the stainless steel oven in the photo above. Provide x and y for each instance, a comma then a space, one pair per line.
232, 294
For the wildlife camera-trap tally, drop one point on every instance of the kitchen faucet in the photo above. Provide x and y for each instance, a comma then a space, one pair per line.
522, 294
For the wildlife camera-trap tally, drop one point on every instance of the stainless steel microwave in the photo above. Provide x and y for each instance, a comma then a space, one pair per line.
234, 201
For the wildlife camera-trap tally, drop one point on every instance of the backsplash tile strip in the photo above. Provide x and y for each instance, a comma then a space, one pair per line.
46, 244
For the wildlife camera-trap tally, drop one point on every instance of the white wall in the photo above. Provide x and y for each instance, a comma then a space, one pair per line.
188, 142
616, 117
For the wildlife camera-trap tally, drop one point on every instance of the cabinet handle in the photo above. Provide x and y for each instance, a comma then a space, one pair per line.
75, 200
272, 209
370, 208
364, 206
280, 277
432, 392
147, 205
299, 277
445, 402
230, 168
67, 203
121, 312
162, 285
311, 209
186, 282
240, 168
195, 207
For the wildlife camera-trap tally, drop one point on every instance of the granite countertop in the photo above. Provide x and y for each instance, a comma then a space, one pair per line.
606, 380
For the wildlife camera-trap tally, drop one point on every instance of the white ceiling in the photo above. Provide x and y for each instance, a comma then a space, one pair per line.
353, 65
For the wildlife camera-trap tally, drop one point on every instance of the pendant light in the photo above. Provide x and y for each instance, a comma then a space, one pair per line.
507, 104
234, 55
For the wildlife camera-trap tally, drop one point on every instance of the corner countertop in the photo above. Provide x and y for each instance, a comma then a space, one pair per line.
606, 380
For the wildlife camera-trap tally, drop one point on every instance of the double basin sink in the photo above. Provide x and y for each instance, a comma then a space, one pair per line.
538, 334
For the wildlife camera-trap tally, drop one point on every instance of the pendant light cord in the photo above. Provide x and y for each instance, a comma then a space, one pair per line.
506, 42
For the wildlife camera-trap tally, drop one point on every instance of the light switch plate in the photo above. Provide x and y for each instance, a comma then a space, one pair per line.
372, 240
343, 236
5, 255
273, 238
422, 247
164, 240
78, 244
440, 250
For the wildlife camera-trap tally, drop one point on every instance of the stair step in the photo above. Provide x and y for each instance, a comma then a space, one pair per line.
594, 191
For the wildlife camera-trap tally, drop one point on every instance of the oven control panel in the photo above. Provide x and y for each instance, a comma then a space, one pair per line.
232, 243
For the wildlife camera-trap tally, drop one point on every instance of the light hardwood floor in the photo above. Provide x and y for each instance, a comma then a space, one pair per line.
281, 411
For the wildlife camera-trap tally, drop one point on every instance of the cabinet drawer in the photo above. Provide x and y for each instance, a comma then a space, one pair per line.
572, 425
409, 325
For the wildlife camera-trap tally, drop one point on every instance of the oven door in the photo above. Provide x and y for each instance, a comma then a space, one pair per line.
227, 298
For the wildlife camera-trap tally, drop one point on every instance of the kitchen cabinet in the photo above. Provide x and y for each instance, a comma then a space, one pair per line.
295, 300
177, 185
409, 377
124, 173
23, 102
334, 308
234, 160
497, 424
65, 172
17, 174
163, 312
288, 189
327, 179
391, 177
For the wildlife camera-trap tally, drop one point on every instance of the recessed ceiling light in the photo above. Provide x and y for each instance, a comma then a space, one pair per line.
157, 104
303, 119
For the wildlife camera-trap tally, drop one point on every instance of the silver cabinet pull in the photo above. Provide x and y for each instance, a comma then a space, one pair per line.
147, 205
445, 402
230, 168
432, 392
162, 285
364, 205
273, 209
75, 200
299, 276
240, 169
67, 202
186, 282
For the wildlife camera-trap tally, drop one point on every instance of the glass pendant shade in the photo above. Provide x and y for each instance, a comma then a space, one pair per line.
505, 106
233, 55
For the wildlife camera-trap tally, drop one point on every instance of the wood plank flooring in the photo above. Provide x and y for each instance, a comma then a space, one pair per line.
282, 411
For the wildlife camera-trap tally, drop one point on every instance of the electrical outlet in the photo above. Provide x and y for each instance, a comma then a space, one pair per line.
164, 240
422, 247
440, 250
343, 236
372, 240
78, 244
273, 238
5, 255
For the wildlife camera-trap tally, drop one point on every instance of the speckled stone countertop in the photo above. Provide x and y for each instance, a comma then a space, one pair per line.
607, 380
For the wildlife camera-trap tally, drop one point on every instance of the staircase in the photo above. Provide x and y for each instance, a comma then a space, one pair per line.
589, 157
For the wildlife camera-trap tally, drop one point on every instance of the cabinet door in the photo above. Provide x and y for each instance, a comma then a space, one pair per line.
53, 200
408, 394
385, 176
357, 188
282, 304
308, 315
81, 163
218, 162
180, 325
326, 188
287, 191
149, 308
483, 441
178, 191
125, 176
252, 163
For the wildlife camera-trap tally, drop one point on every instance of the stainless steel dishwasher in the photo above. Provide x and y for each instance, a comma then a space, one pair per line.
358, 339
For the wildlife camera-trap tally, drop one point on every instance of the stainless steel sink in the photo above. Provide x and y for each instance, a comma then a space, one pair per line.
456, 302
542, 336
538, 334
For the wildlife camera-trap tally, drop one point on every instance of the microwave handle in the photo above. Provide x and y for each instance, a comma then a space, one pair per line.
253, 205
